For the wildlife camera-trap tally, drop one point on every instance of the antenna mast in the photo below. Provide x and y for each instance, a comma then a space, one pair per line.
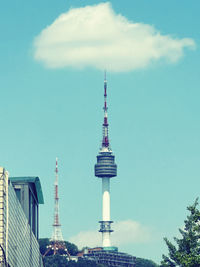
105, 141
57, 241
57, 233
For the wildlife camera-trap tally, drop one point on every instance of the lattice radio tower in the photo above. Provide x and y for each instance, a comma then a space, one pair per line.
57, 241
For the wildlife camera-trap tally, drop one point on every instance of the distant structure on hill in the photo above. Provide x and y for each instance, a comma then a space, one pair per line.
19, 210
57, 241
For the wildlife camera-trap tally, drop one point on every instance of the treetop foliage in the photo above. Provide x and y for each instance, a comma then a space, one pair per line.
186, 252
61, 261
145, 263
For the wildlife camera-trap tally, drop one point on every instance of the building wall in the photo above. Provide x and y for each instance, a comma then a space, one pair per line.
24, 192
3, 213
21, 246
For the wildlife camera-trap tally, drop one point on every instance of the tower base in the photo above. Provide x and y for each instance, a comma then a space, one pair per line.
110, 257
57, 247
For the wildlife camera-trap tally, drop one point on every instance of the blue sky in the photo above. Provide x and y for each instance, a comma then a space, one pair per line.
51, 106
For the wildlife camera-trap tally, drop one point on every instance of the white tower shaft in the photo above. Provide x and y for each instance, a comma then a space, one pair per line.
106, 209
106, 199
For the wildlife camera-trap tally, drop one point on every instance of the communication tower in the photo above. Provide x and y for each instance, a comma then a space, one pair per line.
57, 241
57, 233
105, 169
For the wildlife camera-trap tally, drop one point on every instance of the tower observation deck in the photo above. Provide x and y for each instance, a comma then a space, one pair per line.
105, 168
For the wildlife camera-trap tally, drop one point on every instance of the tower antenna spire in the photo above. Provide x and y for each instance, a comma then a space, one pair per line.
105, 169
105, 140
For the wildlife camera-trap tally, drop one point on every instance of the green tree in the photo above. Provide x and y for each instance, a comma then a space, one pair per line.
72, 248
55, 261
43, 243
139, 262
61, 261
86, 263
186, 252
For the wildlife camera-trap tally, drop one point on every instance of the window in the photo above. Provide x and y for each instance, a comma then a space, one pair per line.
33, 214
18, 193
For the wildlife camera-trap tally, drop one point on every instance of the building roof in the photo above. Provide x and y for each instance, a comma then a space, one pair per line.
30, 179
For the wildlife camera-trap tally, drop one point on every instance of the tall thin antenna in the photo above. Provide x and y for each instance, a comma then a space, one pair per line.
57, 241
57, 233
105, 141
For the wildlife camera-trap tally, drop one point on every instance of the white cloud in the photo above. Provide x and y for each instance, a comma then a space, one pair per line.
86, 238
96, 36
125, 232
129, 231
